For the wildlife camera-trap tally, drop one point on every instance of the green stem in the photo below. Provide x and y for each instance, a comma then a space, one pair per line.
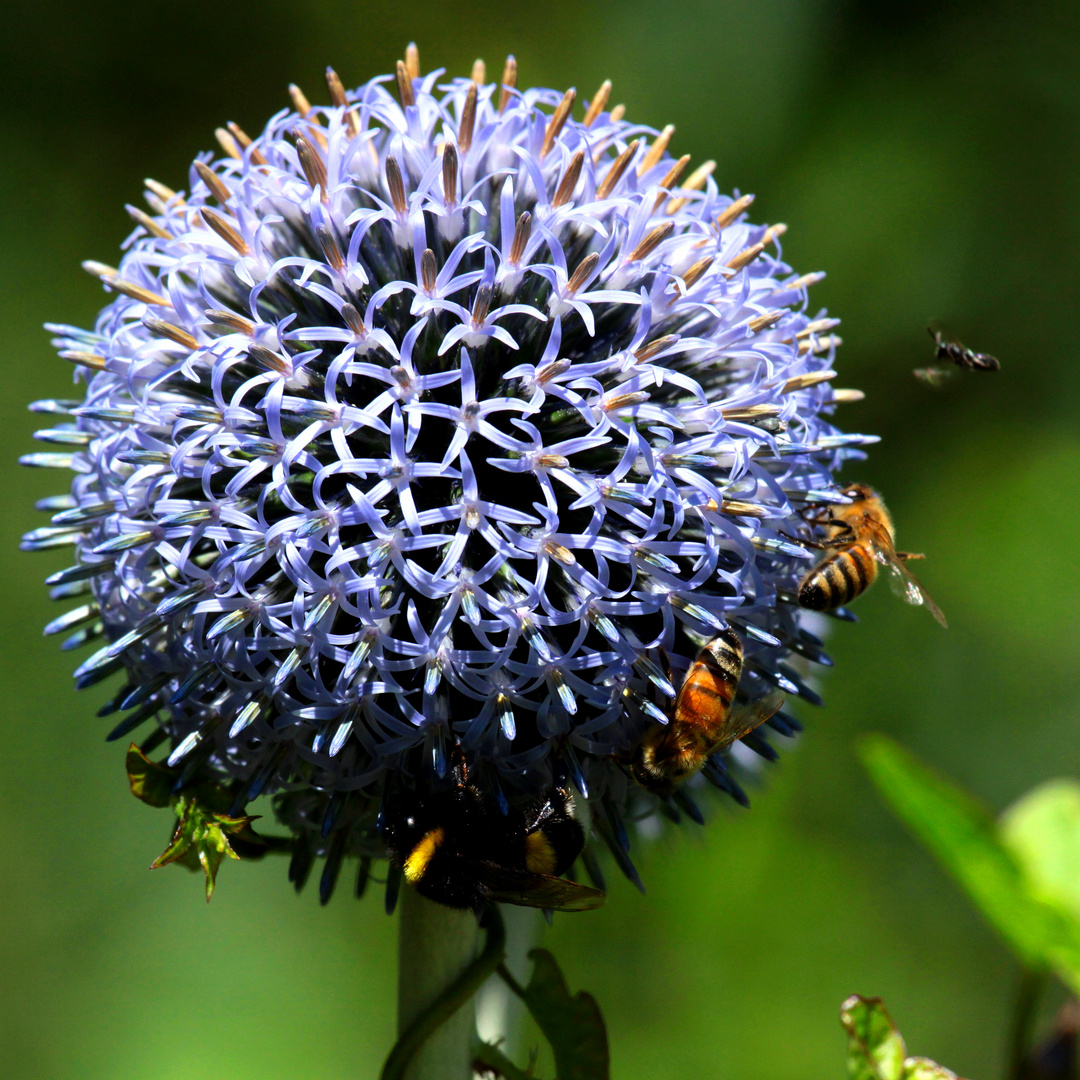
439, 972
1023, 1024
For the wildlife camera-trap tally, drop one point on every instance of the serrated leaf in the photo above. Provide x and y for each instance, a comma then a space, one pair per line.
572, 1024
201, 839
150, 782
1042, 831
876, 1049
964, 837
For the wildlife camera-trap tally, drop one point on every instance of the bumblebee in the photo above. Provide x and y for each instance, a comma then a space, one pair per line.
703, 719
860, 534
456, 846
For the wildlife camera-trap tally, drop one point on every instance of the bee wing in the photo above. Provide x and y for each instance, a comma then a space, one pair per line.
539, 890
744, 718
903, 581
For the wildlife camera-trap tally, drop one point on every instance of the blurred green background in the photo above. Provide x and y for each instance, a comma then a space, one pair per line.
928, 156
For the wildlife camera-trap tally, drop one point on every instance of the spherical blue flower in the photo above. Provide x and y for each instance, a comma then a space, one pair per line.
435, 421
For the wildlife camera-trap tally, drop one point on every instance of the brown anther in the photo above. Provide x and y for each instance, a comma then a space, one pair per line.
99, 269
267, 358
696, 273
646, 352
301, 103
481, 304
227, 143
522, 231
552, 370
750, 412
558, 119
404, 85
468, 120
618, 167
618, 113
509, 81
161, 328
694, 181
821, 344
582, 272
670, 179
745, 257
429, 270
740, 509
396, 186
733, 210
773, 232
84, 359
478, 73
243, 139
412, 60
803, 282
353, 320
229, 320
565, 190
816, 327
650, 241
848, 397
401, 376
449, 174
314, 168
560, 553
331, 249
552, 461
161, 191
225, 231
148, 223
338, 97
136, 292
656, 151
763, 322
803, 382
596, 106
624, 401
213, 182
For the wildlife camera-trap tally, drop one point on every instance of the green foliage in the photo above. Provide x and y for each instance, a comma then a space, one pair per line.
572, 1024
1023, 873
876, 1050
204, 831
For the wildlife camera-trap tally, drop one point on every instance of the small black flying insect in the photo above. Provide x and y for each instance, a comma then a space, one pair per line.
962, 357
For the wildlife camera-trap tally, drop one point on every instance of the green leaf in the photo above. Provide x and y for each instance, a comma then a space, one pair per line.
201, 839
149, 781
489, 1060
920, 1068
1042, 831
572, 1024
963, 836
875, 1048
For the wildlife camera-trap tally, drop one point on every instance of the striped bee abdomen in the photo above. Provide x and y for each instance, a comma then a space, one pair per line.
709, 686
838, 579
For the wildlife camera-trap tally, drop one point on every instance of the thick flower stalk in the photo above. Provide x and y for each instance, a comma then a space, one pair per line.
437, 421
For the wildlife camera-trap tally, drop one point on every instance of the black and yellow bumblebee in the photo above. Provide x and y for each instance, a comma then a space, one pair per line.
455, 845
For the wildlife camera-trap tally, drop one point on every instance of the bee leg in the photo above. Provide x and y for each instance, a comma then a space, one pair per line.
905, 555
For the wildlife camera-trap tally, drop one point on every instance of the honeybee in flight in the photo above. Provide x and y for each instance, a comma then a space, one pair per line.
953, 351
455, 846
860, 534
703, 719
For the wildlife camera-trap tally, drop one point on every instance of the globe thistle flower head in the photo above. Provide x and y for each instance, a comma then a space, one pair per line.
436, 420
